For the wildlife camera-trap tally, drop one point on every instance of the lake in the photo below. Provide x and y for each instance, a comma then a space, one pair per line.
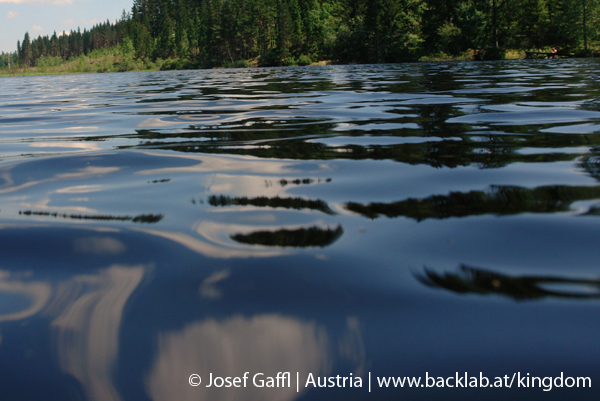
184, 235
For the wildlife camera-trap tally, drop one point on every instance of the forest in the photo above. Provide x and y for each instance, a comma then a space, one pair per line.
209, 33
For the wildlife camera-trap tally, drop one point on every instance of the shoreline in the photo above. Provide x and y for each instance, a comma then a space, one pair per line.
67, 67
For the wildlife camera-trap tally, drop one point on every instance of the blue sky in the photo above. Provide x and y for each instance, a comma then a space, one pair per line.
43, 17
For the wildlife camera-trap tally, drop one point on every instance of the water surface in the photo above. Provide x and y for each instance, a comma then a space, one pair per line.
391, 219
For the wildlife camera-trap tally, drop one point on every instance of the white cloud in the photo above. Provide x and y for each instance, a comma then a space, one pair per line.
12, 14
37, 28
64, 33
92, 21
69, 21
57, 2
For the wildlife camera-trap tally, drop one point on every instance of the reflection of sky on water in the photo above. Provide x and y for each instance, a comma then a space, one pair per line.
35, 295
265, 343
87, 327
160, 312
298, 219
85, 311
484, 282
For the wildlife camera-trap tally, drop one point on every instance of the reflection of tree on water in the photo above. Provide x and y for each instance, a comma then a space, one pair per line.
501, 200
305, 181
93, 326
477, 281
591, 164
263, 201
487, 149
495, 152
433, 119
593, 211
303, 237
234, 132
142, 218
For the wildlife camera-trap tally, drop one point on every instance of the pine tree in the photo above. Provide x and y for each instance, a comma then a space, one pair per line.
19, 52
26, 51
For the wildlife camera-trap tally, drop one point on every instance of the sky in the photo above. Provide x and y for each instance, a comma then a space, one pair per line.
43, 17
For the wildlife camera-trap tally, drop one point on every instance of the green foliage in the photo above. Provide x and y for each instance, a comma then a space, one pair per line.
149, 65
127, 52
192, 33
126, 48
289, 61
450, 37
491, 53
49, 61
127, 65
270, 58
7, 59
26, 51
304, 60
177, 64
441, 56
565, 23
236, 64
104, 66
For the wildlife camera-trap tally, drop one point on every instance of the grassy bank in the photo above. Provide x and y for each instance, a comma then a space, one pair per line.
119, 59
102, 60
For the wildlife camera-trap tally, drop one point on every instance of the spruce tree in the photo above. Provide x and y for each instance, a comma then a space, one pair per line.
26, 50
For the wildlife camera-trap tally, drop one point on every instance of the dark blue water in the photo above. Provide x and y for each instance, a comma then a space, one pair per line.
361, 221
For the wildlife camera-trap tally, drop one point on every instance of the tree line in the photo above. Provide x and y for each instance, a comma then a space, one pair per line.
288, 32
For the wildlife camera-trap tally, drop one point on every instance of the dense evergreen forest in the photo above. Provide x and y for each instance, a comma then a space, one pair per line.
194, 33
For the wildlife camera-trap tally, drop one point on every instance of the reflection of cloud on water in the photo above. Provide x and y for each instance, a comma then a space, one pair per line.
37, 293
86, 315
87, 311
208, 287
223, 163
221, 234
249, 185
87, 172
87, 146
352, 348
98, 245
261, 344
156, 122
250, 240
87, 329
213, 164
43, 204
80, 189
210, 250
